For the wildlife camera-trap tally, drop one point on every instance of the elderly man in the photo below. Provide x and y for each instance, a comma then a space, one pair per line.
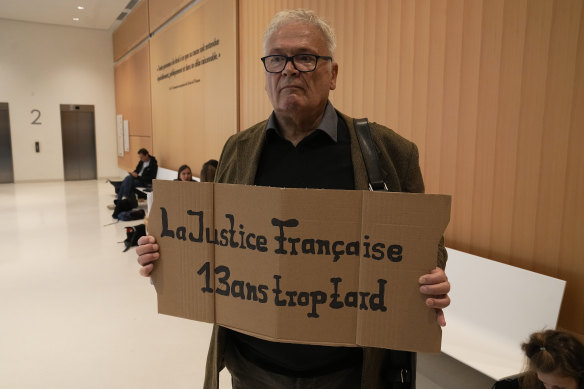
306, 143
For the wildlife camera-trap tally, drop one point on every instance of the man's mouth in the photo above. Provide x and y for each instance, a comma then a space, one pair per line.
290, 87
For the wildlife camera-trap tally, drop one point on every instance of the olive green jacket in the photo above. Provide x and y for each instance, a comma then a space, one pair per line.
401, 172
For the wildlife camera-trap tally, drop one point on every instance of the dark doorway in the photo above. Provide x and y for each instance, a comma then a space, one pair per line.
6, 169
78, 134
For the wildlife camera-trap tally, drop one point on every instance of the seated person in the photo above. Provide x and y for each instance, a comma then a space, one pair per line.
143, 175
208, 171
184, 173
555, 361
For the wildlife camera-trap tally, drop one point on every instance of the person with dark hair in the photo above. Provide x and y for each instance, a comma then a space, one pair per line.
307, 143
555, 360
143, 175
184, 174
208, 170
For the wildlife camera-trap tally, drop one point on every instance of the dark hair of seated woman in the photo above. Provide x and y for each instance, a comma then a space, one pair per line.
555, 359
208, 170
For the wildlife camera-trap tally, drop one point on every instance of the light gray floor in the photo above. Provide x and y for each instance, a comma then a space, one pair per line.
439, 371
74, 313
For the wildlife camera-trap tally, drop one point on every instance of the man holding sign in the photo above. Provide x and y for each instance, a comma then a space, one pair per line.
306, 143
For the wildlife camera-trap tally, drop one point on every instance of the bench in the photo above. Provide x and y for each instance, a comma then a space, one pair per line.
495, 307
161, 174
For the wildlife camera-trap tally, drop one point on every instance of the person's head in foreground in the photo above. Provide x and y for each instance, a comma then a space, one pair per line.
555, 361
208, 170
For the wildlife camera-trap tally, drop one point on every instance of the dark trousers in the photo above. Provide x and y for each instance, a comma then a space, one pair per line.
247, 375
128, 187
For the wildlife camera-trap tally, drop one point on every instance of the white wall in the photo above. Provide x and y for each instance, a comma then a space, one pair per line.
43, 66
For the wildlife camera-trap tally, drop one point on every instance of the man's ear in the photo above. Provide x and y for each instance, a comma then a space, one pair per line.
334, 72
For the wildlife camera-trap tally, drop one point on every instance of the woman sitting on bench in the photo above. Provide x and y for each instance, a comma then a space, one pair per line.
184, 174
556, 361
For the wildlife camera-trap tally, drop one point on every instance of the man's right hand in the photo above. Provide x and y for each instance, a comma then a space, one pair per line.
147, 253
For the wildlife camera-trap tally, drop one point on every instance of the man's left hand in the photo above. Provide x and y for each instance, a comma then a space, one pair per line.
134, 174
435, 285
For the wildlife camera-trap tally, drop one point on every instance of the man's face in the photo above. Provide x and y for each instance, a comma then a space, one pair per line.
144, 157
294, 92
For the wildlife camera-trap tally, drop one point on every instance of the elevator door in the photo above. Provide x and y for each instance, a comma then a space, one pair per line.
6, 171
78, 134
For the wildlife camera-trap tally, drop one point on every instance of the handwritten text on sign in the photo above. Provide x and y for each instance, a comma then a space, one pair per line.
348, 259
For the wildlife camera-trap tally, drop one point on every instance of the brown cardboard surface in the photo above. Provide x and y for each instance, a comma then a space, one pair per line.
266, 276
178, 286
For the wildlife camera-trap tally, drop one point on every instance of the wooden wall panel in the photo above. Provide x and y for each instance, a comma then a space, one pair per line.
492, 93
254, 105
133, 30
378, 30
486, 126
507, 130
391, 107
194, 84
132, 88
556, 122
571, 243
451, 102
436, 94
420, 75
130, 159
558, 117
530, 131
459, 232
161, 11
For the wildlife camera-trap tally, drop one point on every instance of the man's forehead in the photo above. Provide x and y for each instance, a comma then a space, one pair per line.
296, 36
292, 49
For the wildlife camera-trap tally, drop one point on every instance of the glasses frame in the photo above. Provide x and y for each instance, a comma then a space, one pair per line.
291, 59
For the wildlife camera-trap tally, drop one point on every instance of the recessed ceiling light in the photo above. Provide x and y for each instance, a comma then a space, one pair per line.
80, 7
76, 19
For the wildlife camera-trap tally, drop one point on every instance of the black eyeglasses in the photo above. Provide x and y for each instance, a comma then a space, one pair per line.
301, 62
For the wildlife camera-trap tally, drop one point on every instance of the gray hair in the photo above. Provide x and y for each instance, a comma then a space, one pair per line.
306, 16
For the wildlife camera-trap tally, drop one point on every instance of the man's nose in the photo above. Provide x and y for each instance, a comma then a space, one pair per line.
289, 68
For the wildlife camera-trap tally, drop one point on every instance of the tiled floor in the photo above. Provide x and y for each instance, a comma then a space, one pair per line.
74, 313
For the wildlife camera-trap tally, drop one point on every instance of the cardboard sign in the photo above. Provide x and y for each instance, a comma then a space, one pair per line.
328, 267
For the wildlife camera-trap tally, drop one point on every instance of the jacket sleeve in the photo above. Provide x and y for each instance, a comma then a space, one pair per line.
401, 160
226, 167
151, 171
413, 181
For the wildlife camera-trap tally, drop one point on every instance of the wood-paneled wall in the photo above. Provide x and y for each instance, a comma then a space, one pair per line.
163, 10
132, 86
492, 92
133, 30
195, 110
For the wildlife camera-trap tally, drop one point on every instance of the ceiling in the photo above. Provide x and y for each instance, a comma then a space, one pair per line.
98, 14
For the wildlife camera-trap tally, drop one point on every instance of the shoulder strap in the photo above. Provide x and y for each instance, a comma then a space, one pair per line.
363, 131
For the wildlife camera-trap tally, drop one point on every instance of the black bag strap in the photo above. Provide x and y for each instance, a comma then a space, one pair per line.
363, 131
400, 366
